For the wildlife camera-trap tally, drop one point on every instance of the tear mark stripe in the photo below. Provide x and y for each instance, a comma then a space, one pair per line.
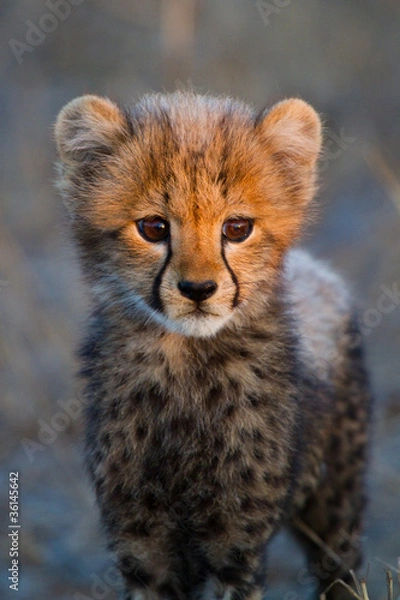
235, 301
156, 303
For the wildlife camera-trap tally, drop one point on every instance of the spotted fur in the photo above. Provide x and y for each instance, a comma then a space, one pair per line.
212, 423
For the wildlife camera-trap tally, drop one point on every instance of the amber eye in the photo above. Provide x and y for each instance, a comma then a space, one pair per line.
237, 230
154, 229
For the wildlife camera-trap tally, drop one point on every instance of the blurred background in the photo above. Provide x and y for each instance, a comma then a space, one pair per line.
344, 58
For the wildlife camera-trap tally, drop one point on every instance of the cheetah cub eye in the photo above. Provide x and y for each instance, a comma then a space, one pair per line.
153, 229
237, 230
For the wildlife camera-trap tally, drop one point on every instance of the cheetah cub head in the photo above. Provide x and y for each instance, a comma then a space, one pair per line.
183, 206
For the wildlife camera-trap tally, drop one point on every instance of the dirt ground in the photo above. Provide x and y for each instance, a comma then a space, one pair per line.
344, 58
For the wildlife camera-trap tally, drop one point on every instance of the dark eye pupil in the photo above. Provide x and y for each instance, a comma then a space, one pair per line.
153, 230
237, 230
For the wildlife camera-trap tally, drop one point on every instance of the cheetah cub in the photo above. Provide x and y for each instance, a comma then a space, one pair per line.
226, 394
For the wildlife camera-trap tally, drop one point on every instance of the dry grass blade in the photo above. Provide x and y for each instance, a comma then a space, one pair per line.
363, 584
356, 582
383, 172
389, 584
391, 567
178, 21
307, 531
343, 584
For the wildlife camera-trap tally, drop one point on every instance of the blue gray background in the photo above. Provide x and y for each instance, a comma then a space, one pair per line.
344, 58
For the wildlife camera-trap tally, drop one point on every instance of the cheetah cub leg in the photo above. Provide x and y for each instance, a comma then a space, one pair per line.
211, 591
334, 511
215, 590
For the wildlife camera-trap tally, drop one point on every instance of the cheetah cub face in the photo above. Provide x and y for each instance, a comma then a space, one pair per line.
184, 206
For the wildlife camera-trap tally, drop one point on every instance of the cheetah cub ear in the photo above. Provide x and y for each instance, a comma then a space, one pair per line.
292, 130
291, 135
88, 128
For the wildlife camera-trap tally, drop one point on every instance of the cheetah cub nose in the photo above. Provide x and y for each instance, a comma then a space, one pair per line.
197, 291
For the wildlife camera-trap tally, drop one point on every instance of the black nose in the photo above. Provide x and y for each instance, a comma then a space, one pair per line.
197, 291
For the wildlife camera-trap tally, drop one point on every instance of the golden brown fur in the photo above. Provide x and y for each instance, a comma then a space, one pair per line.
211, 422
